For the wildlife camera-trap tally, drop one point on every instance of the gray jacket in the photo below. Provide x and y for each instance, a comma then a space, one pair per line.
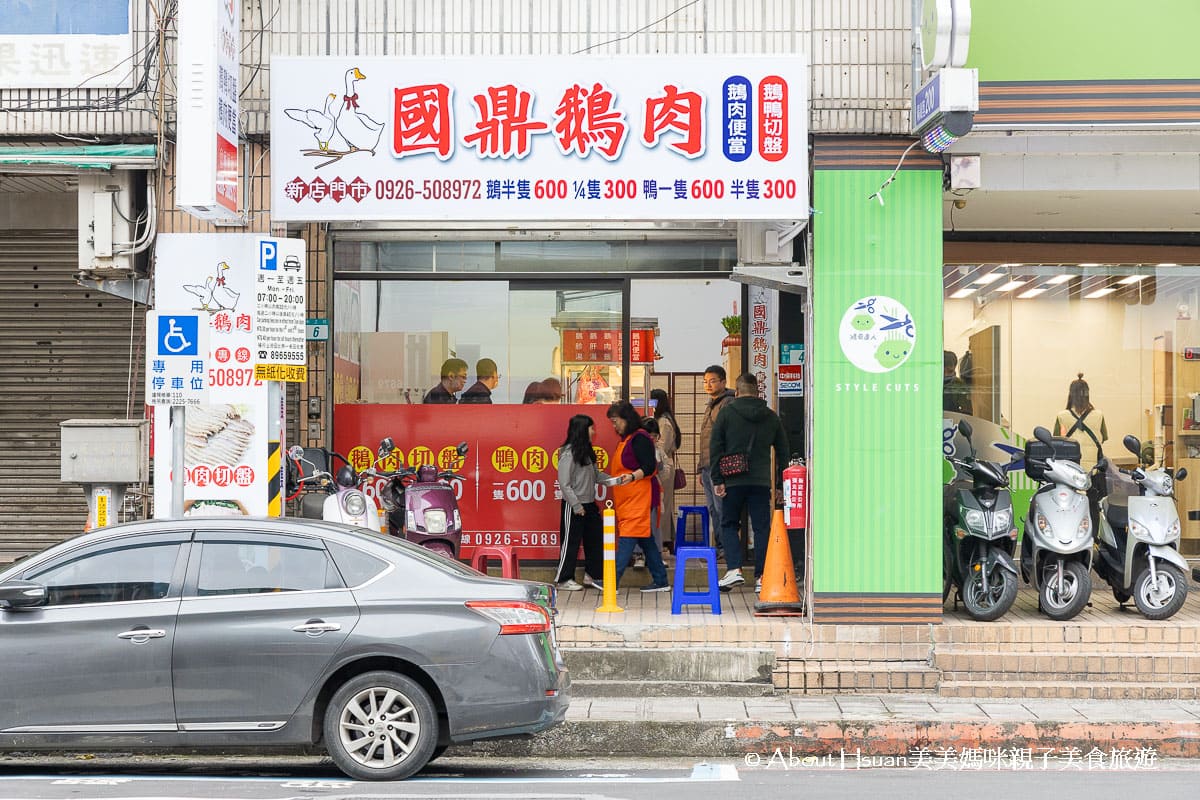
577, 483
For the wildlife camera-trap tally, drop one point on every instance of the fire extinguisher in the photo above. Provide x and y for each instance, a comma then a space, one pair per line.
795, 494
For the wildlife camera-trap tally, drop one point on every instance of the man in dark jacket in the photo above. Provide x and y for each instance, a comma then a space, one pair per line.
718, 397
487, 378
454, 377
747, 426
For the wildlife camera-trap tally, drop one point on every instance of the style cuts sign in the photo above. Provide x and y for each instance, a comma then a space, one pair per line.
546, 138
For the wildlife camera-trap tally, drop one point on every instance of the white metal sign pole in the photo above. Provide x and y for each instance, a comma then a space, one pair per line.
178, 466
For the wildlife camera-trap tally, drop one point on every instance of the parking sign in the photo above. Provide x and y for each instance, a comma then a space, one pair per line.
176, 358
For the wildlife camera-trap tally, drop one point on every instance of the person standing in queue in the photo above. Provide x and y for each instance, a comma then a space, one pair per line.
718, 397
487, 378
454, 378
578, 475
670, 439
635, 493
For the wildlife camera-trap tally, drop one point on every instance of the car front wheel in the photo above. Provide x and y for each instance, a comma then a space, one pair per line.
380, 726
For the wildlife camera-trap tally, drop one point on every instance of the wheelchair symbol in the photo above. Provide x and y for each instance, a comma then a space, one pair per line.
178, 336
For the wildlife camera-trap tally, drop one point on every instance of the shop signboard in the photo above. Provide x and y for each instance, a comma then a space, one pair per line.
46, 44
762, 339
604, 347
791, 370
511, 495
568, 137
215, 278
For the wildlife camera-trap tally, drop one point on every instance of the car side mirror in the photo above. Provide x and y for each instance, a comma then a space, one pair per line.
22, 594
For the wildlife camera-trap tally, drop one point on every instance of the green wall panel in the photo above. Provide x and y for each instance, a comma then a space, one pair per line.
877, 463
1060, 40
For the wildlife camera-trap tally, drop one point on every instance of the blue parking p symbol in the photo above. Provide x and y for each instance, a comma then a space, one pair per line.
267, 253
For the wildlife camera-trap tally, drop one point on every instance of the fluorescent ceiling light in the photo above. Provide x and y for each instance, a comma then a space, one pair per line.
961, 293
1032, 292
1089, 265
1059, 279
1004, 266
1008, 287
1099, 293
1168, 265
992, 278
1132, 279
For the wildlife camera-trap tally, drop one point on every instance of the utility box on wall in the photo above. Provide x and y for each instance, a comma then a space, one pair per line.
104, 451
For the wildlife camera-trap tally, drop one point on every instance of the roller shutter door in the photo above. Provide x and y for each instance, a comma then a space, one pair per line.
65, 353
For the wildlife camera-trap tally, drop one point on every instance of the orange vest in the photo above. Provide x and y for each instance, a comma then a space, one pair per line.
631, 501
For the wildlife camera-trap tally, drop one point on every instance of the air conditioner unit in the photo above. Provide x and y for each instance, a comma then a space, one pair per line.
110, 222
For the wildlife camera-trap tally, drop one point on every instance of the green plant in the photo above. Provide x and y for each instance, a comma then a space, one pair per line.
732, 325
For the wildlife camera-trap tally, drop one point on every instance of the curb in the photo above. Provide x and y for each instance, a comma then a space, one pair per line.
866, 738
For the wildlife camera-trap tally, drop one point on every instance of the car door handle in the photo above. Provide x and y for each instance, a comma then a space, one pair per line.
316, 627
142, 635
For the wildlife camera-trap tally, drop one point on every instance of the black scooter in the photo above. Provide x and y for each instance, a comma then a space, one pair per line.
978, 536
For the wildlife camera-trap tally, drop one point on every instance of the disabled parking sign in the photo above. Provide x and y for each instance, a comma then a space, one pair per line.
177, 358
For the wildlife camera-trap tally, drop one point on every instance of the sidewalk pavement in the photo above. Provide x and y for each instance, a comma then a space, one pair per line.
870, 725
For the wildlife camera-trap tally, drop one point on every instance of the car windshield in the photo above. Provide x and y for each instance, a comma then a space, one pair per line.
409, 549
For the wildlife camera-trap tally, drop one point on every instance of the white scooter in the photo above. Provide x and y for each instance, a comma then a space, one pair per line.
1056, 550
343, 501
1138, 553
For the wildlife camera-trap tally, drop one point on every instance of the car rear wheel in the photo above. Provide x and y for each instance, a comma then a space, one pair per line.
380, 726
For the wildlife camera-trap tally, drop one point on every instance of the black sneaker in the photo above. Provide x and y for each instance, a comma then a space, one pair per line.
666, 587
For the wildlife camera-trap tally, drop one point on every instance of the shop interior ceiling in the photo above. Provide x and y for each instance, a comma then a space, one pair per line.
1056, 281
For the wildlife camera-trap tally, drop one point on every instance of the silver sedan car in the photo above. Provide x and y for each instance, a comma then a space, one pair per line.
243, 634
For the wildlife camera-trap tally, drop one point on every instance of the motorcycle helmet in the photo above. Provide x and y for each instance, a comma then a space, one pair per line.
346, 477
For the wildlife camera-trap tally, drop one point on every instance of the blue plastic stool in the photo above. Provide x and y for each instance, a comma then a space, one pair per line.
711, 596
681, 537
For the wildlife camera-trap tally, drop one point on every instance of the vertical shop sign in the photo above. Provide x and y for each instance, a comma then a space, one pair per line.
214, 277
762, 339
791, 370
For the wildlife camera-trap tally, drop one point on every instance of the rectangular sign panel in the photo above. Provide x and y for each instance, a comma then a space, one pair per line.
279, 319
176, 358
679, 137
66, 44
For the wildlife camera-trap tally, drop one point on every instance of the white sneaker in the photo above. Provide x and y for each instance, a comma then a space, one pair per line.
569, 585
758, 586
732, 578
639, 561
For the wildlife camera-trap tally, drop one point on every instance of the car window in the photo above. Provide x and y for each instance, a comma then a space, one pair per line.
356, 566
260, 567
113, 575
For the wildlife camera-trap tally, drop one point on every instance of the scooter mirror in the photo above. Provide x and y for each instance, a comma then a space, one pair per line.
386, 447
295, 452
462, 448
964, 428
1043, 436
1132, 444
1180, 474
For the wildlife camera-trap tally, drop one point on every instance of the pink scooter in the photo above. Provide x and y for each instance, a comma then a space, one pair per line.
422, 504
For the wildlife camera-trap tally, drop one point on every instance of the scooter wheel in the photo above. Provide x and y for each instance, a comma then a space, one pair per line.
1065, 602
999, 597
1162, 599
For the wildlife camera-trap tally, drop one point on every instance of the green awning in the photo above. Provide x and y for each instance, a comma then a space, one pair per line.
93, 156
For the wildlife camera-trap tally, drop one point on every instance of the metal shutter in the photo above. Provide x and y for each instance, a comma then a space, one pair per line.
64, 354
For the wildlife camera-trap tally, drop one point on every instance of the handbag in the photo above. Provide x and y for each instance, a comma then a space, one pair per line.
732, 465
680, 478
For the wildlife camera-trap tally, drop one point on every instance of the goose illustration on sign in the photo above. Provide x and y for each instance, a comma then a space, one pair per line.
341, 128
214, 295
877, 334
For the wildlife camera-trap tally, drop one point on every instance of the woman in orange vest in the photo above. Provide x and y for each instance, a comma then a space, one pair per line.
635, 493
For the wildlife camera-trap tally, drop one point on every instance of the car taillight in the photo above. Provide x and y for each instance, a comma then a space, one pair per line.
513, 616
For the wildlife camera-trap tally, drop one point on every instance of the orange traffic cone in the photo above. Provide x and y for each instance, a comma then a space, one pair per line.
780, 596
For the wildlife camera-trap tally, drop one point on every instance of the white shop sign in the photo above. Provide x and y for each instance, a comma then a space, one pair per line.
680, 137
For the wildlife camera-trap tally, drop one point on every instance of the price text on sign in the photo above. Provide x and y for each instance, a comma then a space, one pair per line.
511, 494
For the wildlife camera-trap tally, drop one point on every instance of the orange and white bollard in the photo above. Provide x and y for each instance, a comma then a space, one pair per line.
609, 605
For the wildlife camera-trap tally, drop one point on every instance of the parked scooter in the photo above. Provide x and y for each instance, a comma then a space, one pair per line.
422, 506
978, 536
1139, 542
340, 497
1056, 550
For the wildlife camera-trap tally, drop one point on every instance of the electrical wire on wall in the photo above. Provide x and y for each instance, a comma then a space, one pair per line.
878, 194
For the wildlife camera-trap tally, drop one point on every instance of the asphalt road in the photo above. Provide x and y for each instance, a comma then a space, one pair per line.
538, 779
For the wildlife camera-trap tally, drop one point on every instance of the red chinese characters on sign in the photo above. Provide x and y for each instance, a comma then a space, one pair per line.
586, 120
679, 112
504, 128
423, 121
772, 118
604, 346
